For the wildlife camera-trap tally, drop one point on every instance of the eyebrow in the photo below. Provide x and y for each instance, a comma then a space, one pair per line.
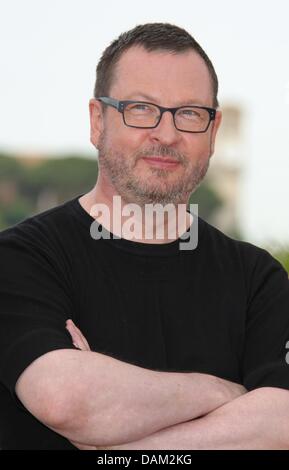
188, 102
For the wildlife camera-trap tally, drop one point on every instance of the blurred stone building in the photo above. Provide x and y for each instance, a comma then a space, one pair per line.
225, 170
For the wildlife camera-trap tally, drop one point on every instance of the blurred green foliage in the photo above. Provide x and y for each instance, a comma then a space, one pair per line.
13, 213
22, 183
209, 201
10, 168
66, 176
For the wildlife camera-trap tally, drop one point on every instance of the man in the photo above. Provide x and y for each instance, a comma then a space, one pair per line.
174, 334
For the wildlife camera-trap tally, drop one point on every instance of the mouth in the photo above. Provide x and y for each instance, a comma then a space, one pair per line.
162, 162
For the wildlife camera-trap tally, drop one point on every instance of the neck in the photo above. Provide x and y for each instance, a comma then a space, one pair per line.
145, 224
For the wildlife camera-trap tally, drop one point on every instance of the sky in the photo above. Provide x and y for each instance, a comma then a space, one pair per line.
48, 55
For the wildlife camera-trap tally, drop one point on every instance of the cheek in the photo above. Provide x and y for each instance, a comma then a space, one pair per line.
129, 140
198, 145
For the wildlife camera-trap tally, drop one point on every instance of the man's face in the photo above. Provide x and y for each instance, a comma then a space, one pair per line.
168, 80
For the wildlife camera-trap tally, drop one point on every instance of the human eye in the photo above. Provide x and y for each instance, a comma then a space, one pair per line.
140, 108
189, 113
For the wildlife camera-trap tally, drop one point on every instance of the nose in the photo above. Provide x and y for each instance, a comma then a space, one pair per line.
166, 131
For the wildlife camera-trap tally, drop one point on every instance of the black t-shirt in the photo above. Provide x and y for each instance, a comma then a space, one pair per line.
221, 308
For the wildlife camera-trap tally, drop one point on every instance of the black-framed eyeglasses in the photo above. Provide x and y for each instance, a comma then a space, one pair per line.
142, 114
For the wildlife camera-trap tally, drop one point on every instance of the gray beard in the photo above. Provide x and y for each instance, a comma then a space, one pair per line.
135, 189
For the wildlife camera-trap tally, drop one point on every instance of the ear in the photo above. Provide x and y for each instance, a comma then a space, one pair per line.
216, 124
96, 121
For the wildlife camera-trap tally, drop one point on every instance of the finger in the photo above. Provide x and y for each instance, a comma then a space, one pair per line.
84, 340
80, 335
77, 336
73, 328
73, 332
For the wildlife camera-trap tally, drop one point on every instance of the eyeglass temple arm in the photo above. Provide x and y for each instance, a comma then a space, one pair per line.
109, 101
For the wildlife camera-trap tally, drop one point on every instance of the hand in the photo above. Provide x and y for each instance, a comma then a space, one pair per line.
78, 339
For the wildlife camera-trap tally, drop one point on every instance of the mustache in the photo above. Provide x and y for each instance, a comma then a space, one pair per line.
160, 151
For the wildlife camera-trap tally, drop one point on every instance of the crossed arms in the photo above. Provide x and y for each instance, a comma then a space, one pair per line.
99, 402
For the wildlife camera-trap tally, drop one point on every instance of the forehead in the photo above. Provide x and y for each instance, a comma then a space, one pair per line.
169, 77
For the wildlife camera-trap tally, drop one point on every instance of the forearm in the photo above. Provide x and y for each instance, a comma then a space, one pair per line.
124, 402
257, 420
98, 400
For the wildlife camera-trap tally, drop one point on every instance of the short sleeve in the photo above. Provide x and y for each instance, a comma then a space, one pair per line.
34, 303
267, 326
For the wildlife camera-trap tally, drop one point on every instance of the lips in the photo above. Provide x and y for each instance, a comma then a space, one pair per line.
161, 162
161, 159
